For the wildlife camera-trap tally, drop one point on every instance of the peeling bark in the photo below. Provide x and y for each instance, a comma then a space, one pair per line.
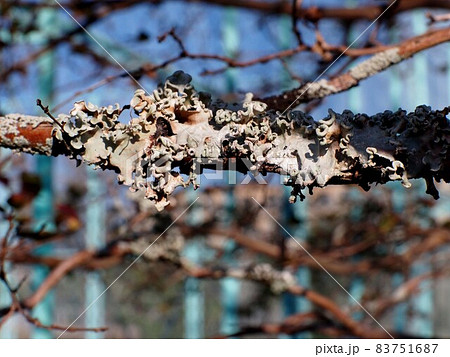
26, 133
178, 130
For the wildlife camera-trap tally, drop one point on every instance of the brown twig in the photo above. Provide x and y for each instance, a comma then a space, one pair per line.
324, 88
47, 112
56, 275
89, 89
50, 281
313, 13
39, 324
438, 18
296, 5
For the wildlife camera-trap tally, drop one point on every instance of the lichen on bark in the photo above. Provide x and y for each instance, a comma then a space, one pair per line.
177, 132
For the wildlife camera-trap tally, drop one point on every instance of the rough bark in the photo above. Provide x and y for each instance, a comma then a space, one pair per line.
26, 133
178, 131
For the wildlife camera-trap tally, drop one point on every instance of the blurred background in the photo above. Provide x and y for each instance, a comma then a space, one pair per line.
388, 247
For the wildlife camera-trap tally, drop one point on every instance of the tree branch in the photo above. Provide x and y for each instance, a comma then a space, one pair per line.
178, 127
389, 56
313, 13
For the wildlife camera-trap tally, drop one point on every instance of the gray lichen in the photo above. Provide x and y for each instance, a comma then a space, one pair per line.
376, 64
279, 281
321, 89
168, 249
178, 131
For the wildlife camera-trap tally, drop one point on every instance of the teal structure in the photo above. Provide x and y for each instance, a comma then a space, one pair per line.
230, 287
95, 239
194, 300
43, 204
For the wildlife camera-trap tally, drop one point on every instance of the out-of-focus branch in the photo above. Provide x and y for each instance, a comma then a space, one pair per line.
403, 292
389, 56
313, 13
438, 18
229, 62
169, 251
56, 275
52, 43
341, 83
278, 280
91, 16
309, 321
296, 5
17, 306
338, 259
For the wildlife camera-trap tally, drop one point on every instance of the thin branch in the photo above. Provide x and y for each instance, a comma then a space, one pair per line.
280, 7
438, 18
381, 61
56, 327
19, 307
47, 112
296, 6
56, 275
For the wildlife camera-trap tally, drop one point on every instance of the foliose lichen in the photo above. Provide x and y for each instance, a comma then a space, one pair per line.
177, 131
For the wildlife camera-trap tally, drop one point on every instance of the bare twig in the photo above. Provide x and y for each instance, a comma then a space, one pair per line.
391, 55
296, 5
47, 112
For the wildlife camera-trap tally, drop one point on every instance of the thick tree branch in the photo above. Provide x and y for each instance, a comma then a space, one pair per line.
31, 134
178, 127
